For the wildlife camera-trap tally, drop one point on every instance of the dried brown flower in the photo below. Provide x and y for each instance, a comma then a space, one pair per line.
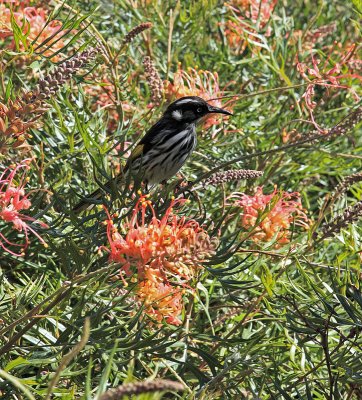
136, 31
343, 127
231, 175
48, 86
345, 184
16, 118
350, 215
137, 388
347, 123
154, 81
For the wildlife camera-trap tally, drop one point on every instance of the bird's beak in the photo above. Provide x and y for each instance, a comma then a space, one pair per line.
218, 110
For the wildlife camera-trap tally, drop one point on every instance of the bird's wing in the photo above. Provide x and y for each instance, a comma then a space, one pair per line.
137, 152
146, 143
154, 131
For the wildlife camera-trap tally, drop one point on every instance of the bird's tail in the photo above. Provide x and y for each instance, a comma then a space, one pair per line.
90, 201
86, 204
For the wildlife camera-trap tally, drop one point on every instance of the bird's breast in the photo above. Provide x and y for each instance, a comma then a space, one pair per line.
167, 158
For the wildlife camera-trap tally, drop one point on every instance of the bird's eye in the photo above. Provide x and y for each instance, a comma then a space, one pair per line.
199, 110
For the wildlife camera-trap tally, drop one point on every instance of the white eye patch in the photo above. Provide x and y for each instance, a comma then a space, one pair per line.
177, 115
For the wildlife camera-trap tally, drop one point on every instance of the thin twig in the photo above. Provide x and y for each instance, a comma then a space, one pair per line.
69, 357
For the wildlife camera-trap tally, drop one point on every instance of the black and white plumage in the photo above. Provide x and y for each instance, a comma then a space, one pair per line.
167, 145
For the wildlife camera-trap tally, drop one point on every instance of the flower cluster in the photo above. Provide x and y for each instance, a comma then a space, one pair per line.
14, 200
269, 216
154, 81
136, 31
20, 114
248, 12
166, 254
197, 82
33, 21
160, 299
329, 75
15, 120
314, 36
349, 216
230, 175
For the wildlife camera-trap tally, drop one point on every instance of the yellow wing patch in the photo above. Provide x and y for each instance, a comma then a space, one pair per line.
137, 152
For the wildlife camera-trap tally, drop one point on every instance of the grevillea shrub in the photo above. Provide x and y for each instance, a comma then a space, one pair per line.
239, 277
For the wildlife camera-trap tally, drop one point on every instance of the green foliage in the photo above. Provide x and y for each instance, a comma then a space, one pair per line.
261, 320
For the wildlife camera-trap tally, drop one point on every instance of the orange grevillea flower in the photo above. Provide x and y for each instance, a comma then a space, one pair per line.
14, 200
197, 82
247, 12
165, 253
171, 244
330, 75
33, 21
270, 215
162, 301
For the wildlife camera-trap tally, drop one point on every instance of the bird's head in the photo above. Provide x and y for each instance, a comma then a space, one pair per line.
190, 109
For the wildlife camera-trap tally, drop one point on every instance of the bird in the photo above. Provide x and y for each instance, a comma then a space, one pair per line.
165, 147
